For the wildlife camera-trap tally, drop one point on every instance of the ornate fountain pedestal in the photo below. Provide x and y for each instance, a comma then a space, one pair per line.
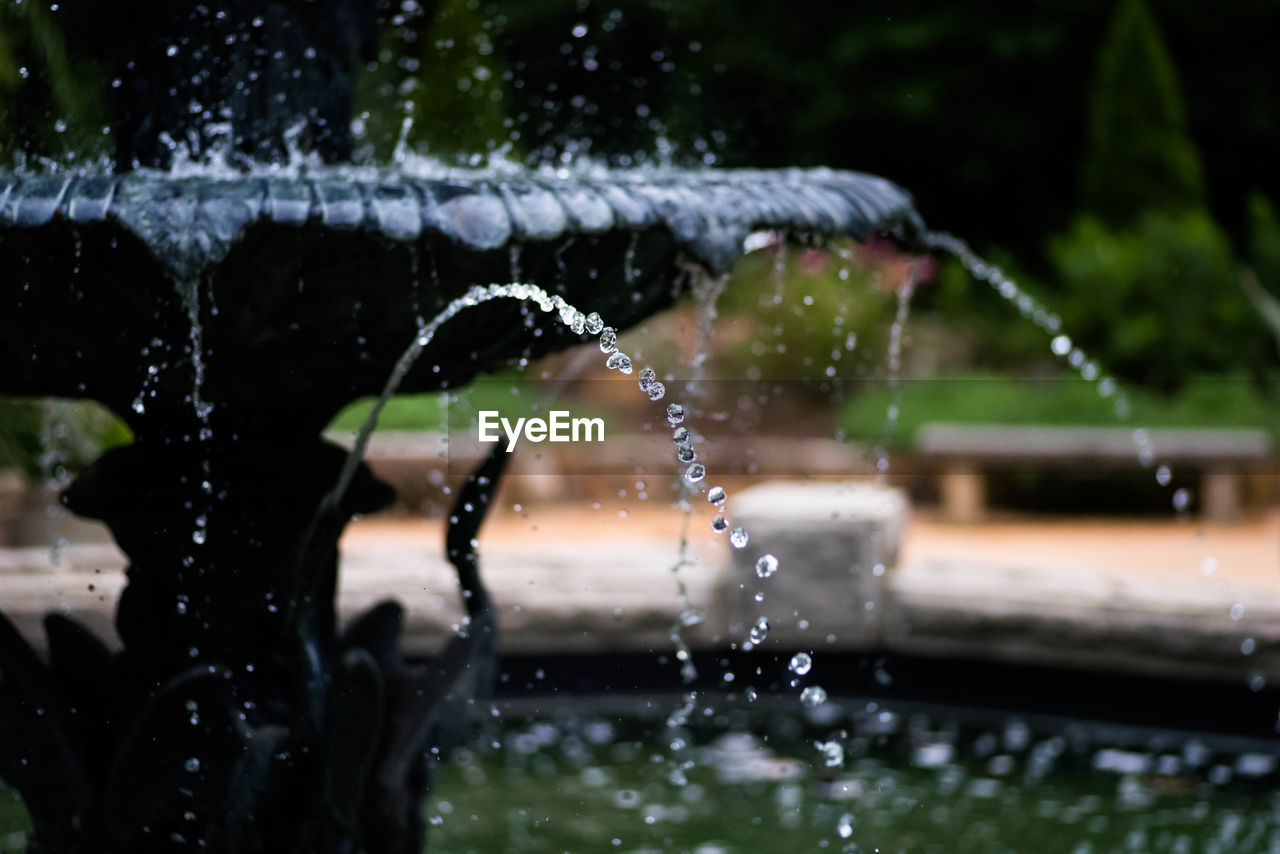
227, 321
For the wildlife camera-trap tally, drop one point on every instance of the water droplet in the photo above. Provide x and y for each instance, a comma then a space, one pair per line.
680, 434
1247, 646
766, 566
1209, 565
657, 391
719, 525
738, 537
192, 765
1181, 499
832, 753
759, 631
751, 695
675, 414
1061, 345
647, 377
844, 826
199, 536
1163, 475
716, 495
800, 664
814, 695
620, 362
593, 323
578, 323
695, 473
684, 452
608, 340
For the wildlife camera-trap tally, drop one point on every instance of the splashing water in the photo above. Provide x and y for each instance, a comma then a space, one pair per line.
800, 663
832, 753
1060, 345
477, 295
575, 320
813, 696
620, 362
189, 293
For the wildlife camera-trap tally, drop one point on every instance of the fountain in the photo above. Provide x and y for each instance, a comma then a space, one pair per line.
226, 316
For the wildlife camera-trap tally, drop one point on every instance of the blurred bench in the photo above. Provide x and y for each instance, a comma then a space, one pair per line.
966, 454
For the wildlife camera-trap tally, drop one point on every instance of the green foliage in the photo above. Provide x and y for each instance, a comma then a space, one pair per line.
440, 412
444, 74
82, 431
1264, 239
1140, 155
793, 323
1264, 258
52, 103
1063, 399
1160, 301
19, 435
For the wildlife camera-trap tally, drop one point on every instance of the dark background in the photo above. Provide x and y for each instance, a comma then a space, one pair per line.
1116, 156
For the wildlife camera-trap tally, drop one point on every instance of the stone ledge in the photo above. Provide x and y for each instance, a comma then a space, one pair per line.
1078, 616
551, 597
608, 596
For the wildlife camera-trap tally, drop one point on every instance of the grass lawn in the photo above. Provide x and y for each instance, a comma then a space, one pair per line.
1066, 401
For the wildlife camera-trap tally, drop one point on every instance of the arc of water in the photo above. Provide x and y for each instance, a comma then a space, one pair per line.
1060, 343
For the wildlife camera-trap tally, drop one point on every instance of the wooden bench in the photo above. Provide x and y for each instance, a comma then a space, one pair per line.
965, 454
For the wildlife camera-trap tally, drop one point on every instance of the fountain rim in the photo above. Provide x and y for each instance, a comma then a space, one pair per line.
189, 222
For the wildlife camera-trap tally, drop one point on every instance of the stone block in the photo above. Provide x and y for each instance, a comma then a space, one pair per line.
835, 544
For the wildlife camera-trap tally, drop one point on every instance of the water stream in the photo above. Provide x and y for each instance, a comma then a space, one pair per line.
1061, 345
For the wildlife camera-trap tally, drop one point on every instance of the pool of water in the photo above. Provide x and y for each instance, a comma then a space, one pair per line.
760, 780
906, 784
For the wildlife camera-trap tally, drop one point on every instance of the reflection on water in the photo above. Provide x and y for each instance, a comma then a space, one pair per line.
899, 784
852, 777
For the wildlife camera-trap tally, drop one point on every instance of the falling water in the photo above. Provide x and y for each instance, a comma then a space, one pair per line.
894, 366
189, 292
707, 290
779, 275
629, 271
53, 469
1062, 347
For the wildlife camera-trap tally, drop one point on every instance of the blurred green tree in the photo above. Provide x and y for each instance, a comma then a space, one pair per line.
1158, 301
1139, 154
